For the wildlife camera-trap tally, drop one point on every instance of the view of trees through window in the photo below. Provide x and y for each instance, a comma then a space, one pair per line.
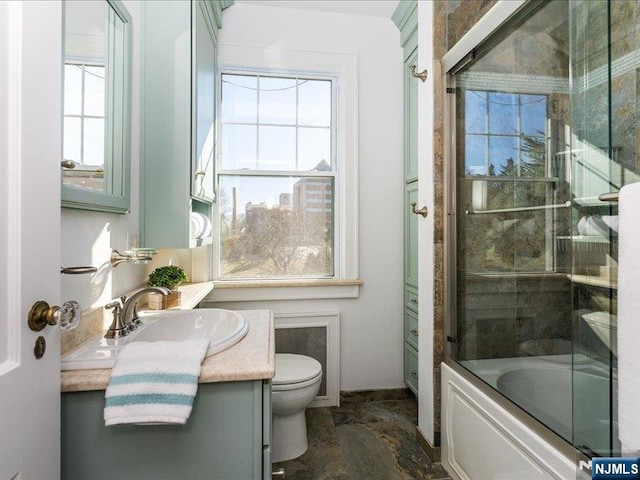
276, 177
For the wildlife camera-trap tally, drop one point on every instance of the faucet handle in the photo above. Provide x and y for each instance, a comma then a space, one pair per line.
116, 306
117, 328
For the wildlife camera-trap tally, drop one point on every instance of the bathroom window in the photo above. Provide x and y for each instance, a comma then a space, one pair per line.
84, 123
277, 177
505, 134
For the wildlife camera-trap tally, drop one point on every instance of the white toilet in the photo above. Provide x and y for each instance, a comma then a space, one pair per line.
294, 387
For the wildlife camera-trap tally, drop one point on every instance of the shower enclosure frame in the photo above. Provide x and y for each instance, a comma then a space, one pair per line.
463, 52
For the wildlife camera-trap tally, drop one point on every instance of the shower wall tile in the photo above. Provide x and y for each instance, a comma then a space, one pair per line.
514, 316
439, 48
462, 15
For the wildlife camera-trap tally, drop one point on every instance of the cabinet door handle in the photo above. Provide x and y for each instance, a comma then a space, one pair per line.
414, 374
422, 211
414, 301
414, 332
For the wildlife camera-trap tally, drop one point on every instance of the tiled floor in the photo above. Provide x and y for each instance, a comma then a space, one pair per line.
363, 440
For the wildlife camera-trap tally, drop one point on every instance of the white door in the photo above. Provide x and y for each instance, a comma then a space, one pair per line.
30, 151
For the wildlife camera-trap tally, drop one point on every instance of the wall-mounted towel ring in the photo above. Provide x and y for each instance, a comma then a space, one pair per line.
422, 75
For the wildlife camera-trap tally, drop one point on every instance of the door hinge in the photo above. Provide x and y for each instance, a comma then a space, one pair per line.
451, 339
451, 90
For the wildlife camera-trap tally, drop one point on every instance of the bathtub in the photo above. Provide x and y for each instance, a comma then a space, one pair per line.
484, 436
546, 393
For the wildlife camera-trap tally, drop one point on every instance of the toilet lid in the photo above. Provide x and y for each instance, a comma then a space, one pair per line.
291, 368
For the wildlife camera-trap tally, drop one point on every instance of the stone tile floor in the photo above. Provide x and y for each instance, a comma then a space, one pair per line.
363, 440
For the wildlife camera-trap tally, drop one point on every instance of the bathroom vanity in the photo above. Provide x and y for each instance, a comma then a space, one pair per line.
227, 437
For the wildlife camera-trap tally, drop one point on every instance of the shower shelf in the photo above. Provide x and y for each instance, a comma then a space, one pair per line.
604, 282
588, 243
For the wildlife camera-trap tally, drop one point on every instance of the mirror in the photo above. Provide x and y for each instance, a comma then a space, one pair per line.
97, 91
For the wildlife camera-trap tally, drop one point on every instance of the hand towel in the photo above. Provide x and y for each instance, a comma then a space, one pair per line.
628, 314
154, 382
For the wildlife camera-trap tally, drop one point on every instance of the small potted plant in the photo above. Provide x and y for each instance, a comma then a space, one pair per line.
169, 276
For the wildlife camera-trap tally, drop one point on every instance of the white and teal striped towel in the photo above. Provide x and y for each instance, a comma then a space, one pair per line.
154, 382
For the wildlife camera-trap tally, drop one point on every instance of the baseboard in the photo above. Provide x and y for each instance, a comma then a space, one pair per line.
432, 452
355, 396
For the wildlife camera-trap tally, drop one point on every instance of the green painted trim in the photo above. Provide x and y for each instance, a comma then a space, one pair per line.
215, 8
403, 12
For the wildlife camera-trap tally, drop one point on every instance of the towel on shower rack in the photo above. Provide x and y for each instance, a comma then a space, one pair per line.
628, 308
154, 382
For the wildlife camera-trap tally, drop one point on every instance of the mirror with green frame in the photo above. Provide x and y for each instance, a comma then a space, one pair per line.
97, 104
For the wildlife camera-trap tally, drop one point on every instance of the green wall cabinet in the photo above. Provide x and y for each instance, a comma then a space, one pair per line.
178, 118
227, 437
411, 236
406, 19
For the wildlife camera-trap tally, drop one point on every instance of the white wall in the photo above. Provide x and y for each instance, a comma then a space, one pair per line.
372, 325
87, 237
426, 227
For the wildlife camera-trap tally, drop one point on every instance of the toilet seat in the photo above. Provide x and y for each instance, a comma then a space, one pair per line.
295, 371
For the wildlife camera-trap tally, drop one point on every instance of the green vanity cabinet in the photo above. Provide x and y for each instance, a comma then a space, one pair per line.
406, 19
178, 129
227, 437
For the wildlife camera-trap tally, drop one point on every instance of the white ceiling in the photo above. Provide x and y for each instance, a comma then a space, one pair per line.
376, 8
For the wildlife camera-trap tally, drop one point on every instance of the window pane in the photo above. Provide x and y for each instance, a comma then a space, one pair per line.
72, 136
314, 149
533, 114
475, 155
239, 101
314, 103
94, 91
278, 100
503, 113
503, 155
274, 227
239, 146
277, 148
94, 142
72, 90
533, 156
475, 111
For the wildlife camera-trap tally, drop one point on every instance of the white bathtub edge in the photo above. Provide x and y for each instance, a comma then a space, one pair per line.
482, 440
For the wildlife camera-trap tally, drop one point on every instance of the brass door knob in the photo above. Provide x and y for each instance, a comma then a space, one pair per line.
41, 315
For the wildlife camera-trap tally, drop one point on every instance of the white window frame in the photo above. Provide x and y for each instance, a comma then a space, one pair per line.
342, 68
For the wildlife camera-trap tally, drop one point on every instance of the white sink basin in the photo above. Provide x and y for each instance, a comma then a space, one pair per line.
223, 328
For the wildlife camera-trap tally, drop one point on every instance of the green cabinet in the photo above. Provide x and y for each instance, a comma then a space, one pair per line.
411, 110
227, 437
178, 118
411, 236
406, 19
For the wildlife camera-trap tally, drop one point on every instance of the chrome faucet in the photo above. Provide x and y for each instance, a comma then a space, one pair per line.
125, 315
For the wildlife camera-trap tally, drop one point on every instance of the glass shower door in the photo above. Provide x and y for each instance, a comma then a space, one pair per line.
545, 123
604, 59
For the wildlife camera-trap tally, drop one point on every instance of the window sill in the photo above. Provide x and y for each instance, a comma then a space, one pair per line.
248, 291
